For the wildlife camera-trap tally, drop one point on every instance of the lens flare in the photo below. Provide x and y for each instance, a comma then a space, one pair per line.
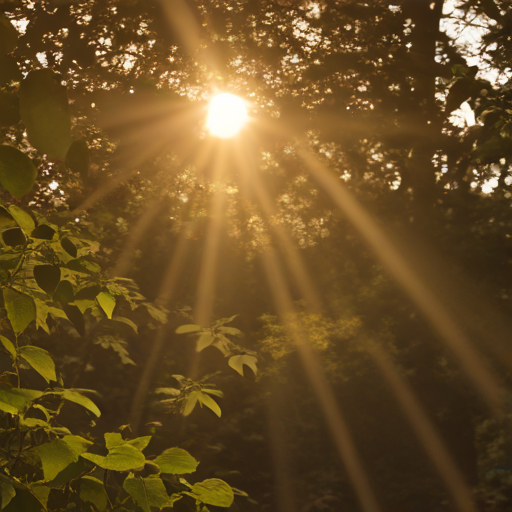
226, 115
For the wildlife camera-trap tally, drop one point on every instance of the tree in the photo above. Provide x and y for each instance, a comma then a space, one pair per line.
350, 100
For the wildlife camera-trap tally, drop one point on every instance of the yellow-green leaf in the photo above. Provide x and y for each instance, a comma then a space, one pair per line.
20, 309
8, 346
107, 303
40, 360
176, 461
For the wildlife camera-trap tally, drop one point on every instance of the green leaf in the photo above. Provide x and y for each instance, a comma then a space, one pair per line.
21, 309
147, 492
73, 471
17, 399
113, 439
107, 303
77, 158
34, 423
214, 492
24, 501
83, 305
126, 321
209, 402
22, 218
47, 277
205, 340
43, 232
88, 292
69, 247
41, 492
93, 491
64, 292
9, 70
191, 403
77, 398
230, 330
42, 310
215, 392
8, 35
182, 329
77, 443
76, 317
55, 456
13, 237
9, 109
8, 346
120, 458
84, 266
8, 493
40, 360
176, 461
45, 112
139, 442
237, 363
17, 172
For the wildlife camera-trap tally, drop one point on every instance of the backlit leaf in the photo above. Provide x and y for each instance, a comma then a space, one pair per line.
237, 363
182, 329
77, 398
205, 340
40, 360
107, 303
120, 458
8, 493
214, 492
147, 492
20, 309
22, 218
17, 172
93, 491
55, 456
209, 402
8, 345
176, 461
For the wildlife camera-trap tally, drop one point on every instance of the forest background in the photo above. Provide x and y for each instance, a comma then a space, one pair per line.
359, 228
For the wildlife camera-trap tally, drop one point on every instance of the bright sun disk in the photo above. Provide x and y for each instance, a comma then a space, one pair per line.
226, 115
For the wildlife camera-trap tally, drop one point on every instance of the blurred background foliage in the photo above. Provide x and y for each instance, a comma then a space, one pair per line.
374, 89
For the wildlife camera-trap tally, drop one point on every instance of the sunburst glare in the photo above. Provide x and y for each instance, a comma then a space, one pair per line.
227, 115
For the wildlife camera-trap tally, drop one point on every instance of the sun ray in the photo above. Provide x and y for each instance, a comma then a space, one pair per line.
166, 295
405, 275
249, 175
136, 233
425, 430
209, 264
326, 398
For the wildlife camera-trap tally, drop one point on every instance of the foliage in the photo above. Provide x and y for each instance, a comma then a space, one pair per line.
102, 141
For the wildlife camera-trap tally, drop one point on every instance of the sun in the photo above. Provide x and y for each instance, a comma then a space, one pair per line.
226, 115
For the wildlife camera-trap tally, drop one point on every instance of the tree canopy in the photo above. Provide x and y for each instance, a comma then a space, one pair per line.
316, 309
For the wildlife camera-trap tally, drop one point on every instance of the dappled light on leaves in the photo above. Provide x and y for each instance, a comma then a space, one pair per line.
304, 287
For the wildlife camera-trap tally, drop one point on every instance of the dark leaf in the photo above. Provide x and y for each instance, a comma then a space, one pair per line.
77, 158
64, 292
47, 277
43, 232
17, 172
69, 247
14, 237
45, 111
